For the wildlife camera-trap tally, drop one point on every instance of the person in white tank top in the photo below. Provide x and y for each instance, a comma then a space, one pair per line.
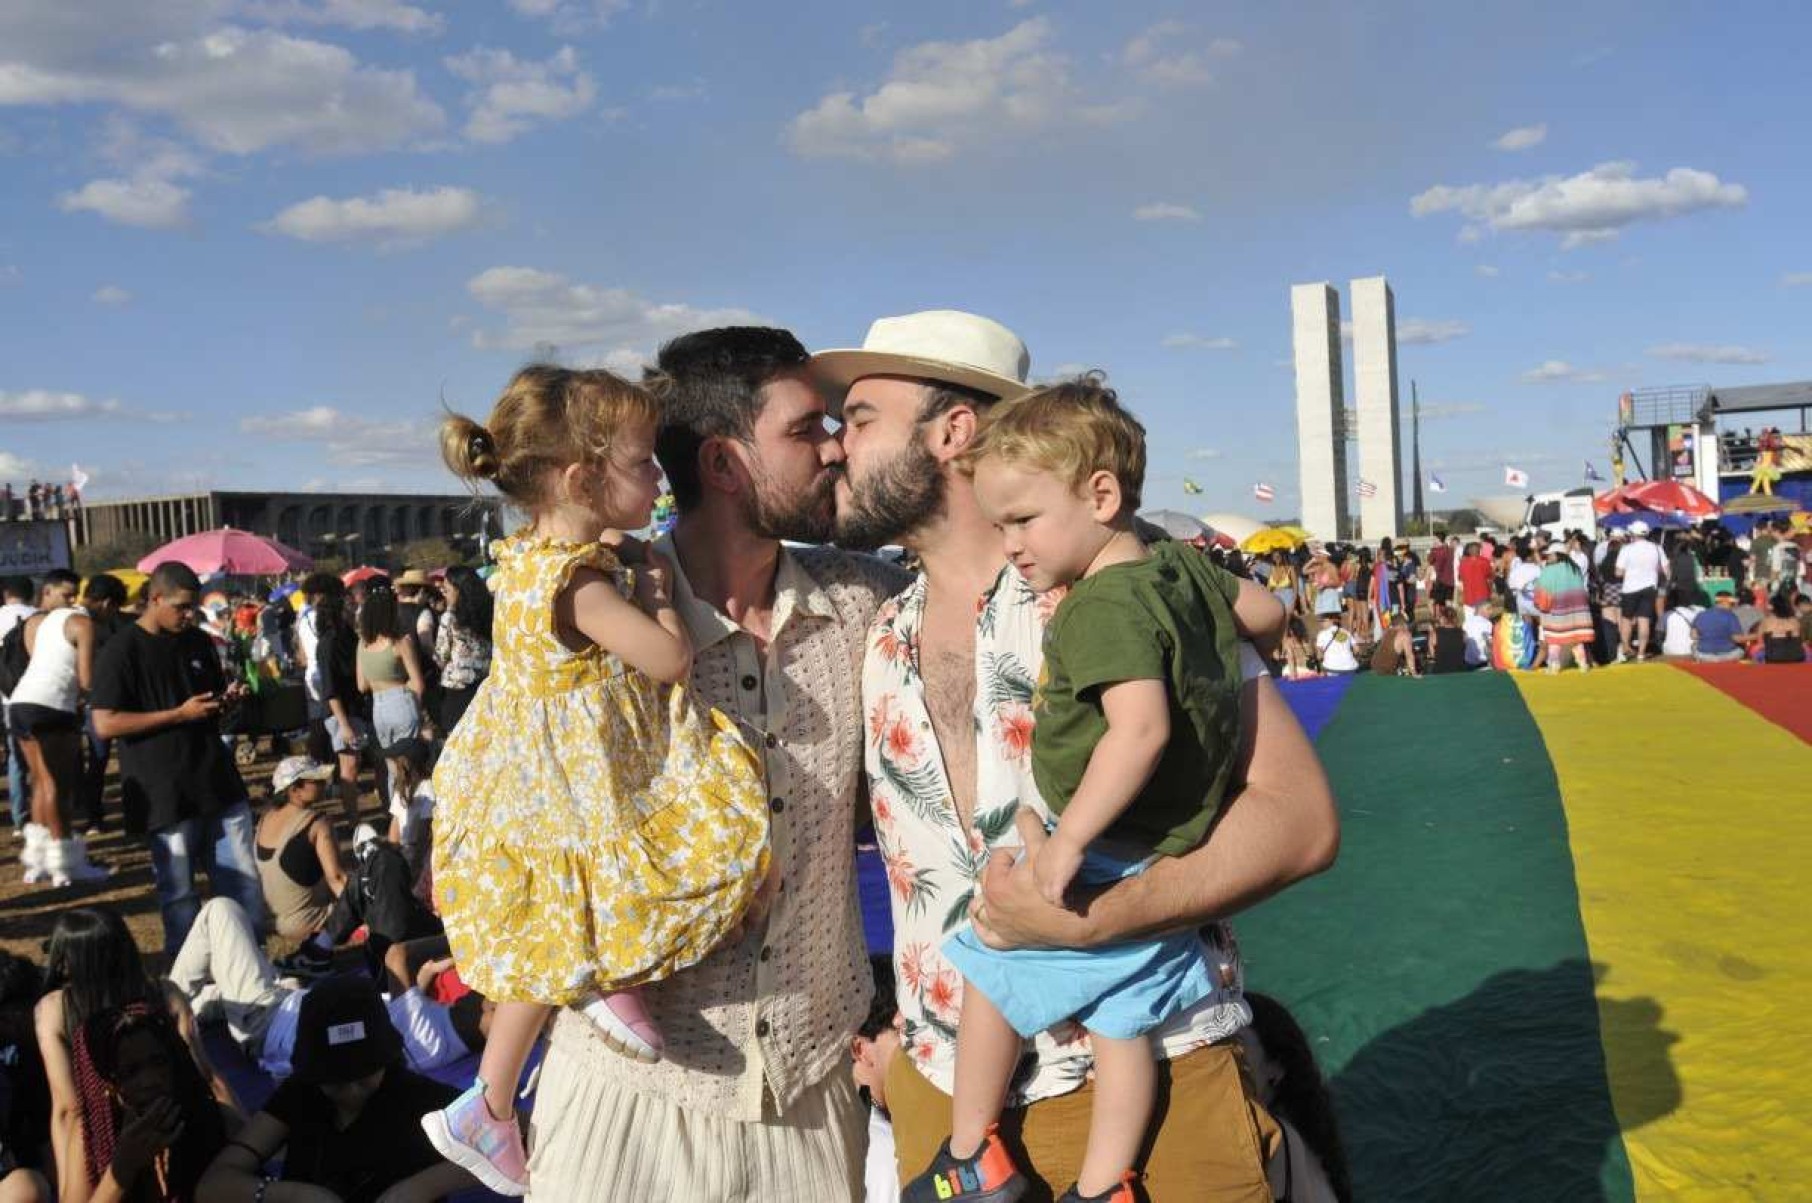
44, 713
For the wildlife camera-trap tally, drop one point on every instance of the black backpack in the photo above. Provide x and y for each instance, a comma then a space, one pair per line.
13, 658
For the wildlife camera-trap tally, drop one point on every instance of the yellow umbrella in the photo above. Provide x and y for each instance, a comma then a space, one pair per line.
132, 578
1302, 535
1270, 539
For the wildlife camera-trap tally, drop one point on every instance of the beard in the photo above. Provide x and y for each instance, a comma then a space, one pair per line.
808, 516
898, 497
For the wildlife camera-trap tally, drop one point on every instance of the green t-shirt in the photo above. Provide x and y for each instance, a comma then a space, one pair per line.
1167, 618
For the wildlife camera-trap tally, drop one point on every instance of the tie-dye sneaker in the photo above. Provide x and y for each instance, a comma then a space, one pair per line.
488, 1148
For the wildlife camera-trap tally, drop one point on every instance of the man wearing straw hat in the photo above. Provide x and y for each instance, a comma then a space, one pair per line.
945, 691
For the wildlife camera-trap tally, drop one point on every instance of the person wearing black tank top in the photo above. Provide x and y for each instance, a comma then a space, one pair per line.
1446, 642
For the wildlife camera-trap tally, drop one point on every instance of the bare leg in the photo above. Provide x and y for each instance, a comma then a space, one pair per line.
987, 1049
349, 786
1126, 1088
514, 1028
44, 810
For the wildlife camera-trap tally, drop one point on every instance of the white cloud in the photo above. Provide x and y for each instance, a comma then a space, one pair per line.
1487, 271
1796, 279
110, 294
44, 405
1166, 211
547, 313
1421, 331
352, 14
940, 98
392, 219
1555, 371
145, 201
1593, 206
1560, 277
234, 90
17, 467
1522, 137
1708, 353
1199, 342
510, 94
351, 440
1161, 55
571, 16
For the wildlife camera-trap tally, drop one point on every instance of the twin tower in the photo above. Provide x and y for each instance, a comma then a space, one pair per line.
1323, 423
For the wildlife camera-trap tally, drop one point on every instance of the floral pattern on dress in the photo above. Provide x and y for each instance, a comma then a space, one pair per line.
595, 829
933, 862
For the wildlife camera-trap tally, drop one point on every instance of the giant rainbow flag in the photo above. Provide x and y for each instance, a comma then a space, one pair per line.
1566, 953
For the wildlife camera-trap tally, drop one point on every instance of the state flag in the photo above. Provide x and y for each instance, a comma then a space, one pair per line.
1436, 484
1515, 478
1264, 492
1367, 489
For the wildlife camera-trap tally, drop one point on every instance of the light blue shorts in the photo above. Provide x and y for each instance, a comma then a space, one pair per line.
1120, 992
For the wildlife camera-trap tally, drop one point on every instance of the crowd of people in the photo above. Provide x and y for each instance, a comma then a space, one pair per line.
620, 785
1635, 592
39, 500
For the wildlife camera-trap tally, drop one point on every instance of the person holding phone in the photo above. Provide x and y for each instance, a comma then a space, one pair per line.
159, 692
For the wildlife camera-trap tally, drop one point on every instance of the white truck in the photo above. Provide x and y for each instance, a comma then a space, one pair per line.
1559, 512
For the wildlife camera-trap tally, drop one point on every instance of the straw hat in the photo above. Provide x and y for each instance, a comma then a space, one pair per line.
942, 345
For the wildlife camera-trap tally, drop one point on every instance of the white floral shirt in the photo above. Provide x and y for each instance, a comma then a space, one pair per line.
933, 862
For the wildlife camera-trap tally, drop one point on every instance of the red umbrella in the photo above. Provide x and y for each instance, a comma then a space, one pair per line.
235, 552
1657, 496
361, 574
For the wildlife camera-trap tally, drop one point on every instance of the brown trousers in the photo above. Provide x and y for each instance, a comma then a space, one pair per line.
1210, 1138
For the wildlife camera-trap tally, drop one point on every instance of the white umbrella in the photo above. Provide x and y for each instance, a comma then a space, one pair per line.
1234, 526
1178, 525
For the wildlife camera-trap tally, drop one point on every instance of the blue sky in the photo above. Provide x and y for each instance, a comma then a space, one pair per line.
256, 243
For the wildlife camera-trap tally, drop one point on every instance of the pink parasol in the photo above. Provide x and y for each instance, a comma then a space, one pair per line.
235, 552
360, 574
1657, 496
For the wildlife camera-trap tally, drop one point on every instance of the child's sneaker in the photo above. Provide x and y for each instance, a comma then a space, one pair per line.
490, 1149
623, 1020
988, 1177
1122, 1192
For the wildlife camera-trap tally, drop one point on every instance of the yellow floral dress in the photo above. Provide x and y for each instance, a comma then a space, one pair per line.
594, 829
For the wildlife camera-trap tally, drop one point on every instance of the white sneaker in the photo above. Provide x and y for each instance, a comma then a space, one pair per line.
32, 856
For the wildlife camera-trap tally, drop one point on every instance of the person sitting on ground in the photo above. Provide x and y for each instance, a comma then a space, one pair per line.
870, 1052
412, 807
1479, 625
24, 1090
149, 1126
380, 897
1296, 650
299, 860
93, 966
1395, 653
1292, 1089
225, 973
1782, 640
1334, 645
1717, 633
348, 1118
1446, 641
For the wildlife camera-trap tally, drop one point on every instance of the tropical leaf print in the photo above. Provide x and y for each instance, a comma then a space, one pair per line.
1009, 680
992, 825
958, 914
911, 885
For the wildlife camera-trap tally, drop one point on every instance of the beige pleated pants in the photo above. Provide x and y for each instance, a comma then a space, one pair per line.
593, 1139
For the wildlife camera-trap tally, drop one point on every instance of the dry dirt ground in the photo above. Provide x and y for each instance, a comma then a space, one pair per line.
27, 913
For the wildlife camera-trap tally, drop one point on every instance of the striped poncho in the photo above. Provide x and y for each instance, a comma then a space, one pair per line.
1566, 611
